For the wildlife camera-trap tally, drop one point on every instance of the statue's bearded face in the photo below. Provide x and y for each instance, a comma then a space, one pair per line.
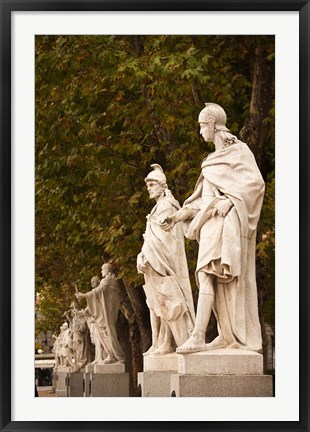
207, 131
104, 270
154, 188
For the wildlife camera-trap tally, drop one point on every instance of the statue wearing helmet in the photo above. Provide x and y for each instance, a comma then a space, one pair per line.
163, 262
222, 215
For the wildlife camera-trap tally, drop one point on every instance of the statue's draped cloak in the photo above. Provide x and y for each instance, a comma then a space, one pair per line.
165, 251
103, 304
81, 340
227, 244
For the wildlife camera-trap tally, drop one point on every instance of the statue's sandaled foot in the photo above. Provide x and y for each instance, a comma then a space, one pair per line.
217, 343
96, 361
109, 360
151, 350
163, 349
194, 344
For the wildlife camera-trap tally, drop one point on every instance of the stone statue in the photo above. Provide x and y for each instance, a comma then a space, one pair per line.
164, 265
100, 353
103, 304
80, 339
63, 347
222, 215
80, 346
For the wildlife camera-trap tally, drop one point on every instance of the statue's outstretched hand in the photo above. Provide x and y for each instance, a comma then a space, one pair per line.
168, 223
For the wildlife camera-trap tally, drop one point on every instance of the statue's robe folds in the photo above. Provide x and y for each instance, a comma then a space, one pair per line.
103, 304
81, 339
227, 244
167, 285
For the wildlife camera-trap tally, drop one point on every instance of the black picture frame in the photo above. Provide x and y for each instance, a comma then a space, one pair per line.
7, 7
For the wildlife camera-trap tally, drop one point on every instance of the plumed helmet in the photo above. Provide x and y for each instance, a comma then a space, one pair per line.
213, 112
157, 174
107, 266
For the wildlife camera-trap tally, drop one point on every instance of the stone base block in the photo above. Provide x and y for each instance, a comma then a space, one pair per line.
89, 369
221, 385
86, 385
61, 393
109, 385
162, 363
113, 368
63, 369
155, 384
76, 384
221, 362
60, 380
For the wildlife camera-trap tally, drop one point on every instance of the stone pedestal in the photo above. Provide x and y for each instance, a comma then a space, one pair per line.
61, 381
155, 380
221, 373
87, 385
76, 384
155, 384
221, 385
108, 380
89, 368
114, 368
221, 362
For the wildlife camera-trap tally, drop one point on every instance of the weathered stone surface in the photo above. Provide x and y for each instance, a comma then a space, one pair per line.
222, 385
109, 385
89, 368
60, 383
86, 385
155, 384
75, 384
109, 368
221, 362
163, 363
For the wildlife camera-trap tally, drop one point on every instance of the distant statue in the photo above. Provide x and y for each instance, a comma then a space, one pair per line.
163, 262
63, 347
100, 353
80, 350
80, 339
103, 304
222, 215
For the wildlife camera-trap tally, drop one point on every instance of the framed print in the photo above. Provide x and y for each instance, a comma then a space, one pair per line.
77, 135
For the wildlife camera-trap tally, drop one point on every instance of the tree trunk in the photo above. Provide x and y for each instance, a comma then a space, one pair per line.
136, 313
254, 133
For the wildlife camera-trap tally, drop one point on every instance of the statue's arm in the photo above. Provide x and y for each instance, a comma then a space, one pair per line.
186, 212
222, 206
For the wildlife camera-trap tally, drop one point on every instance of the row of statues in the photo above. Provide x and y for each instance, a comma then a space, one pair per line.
93, 326
222, 216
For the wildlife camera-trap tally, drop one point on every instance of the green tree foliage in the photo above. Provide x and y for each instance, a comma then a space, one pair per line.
107, 107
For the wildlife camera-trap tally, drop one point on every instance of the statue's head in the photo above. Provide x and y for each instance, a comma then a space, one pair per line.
107, 269
74, 304
212, 119
64, 326
156, 181
95, 281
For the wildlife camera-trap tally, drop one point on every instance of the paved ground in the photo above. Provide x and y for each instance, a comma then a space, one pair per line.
45, 391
